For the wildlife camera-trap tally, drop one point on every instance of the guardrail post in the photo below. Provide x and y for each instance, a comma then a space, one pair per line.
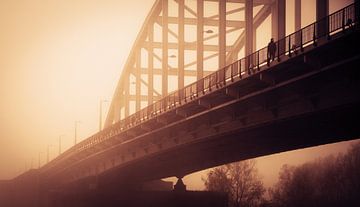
240, 75
343, 20
328, 28
289, 45
224, 75
314, 34
232, 71
258, 60
301, 41
278, 51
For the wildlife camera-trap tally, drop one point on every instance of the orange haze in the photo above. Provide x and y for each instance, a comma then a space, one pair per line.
58, 59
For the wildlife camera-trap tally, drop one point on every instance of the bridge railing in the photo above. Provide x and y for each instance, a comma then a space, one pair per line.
294, 43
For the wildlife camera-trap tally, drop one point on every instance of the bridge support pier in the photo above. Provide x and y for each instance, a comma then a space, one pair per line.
179, 186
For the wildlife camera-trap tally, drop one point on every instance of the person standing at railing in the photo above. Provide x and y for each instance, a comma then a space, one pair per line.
271, 50
349, 23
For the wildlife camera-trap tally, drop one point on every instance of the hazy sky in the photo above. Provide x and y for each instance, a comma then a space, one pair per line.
59, 58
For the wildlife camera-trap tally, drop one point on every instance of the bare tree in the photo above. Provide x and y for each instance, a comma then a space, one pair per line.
329, 181
240, 181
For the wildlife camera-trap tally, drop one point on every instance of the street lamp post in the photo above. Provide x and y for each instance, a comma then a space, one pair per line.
75, 136
39, 160
60, 143
100, 116
32, 162
47, 156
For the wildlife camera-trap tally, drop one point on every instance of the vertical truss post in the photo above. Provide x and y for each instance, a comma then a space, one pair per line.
181, 42
281, 26
126, 95
274, 22
200, 40
297, 22
297, 15
138, 76
117, 111
150, 64
248, 27
278, 19
248, 33
254, 38
222, 33
165, 31
281, 5
322, 10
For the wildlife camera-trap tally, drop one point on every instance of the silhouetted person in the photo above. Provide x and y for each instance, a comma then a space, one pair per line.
349, 23
294, 50
271, 50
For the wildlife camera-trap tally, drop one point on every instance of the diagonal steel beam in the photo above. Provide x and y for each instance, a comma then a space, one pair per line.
227, 13
169, 30
187, 45
239, 43
207, 21
205, 58
146, 84
216, 35
188, 9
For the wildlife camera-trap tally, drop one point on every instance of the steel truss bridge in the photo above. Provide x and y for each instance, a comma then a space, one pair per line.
237, 109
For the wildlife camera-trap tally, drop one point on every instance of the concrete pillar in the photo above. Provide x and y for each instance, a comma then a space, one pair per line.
222, 33
180, 186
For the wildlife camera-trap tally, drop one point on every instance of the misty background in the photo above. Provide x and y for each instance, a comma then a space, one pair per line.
58, 59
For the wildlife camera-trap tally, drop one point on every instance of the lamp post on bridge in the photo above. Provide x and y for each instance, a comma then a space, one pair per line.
75, 136
47, 156
60, 143
39, 160
100, 116
32, 162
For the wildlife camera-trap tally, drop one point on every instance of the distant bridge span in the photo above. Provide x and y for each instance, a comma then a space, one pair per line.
308, 96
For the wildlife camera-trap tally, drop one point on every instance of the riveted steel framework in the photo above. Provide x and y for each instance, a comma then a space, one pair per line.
197, 116
181, 41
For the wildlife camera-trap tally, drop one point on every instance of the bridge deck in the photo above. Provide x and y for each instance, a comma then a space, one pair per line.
242, 111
